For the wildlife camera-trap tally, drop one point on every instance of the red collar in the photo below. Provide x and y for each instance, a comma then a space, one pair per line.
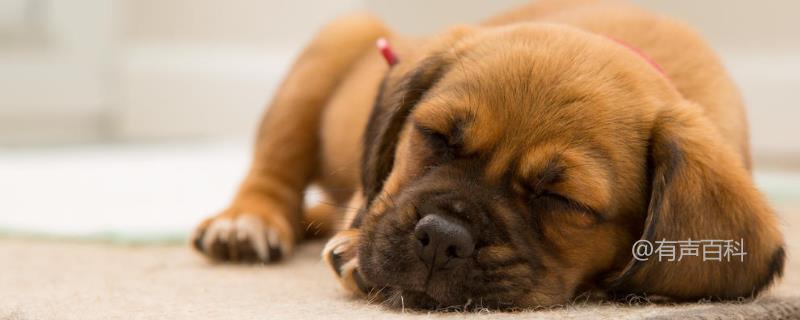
640, 53
386, 51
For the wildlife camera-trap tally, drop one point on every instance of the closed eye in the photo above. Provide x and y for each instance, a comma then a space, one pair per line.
549, 201
443, 145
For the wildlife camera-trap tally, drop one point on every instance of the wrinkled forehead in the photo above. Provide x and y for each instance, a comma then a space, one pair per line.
535, 78
519, 113
492, 108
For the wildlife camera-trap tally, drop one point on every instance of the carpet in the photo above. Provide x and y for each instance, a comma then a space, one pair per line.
90, 279
85, 280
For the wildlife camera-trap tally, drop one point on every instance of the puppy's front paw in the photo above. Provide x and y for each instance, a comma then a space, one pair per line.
341, 254
244, 236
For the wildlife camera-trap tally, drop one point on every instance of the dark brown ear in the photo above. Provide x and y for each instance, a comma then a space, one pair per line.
397, 97
701, 190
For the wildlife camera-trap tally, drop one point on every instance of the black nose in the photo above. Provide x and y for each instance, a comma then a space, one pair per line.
442, 241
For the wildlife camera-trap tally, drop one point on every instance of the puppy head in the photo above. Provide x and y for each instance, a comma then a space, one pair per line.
515, 167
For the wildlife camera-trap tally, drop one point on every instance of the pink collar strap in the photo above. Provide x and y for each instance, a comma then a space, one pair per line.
640, 53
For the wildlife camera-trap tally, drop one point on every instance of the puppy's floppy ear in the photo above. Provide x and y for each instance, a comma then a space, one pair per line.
701, 190
403, 87
397, 97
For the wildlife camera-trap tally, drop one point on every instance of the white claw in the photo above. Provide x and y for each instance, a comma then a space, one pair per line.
349, 266
219, 229
272, 237
253, 227
275, 240
336, 244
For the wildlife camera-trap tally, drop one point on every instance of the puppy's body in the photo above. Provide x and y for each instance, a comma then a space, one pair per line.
325, 127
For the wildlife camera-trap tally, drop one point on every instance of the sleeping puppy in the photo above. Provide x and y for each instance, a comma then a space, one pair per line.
510, 164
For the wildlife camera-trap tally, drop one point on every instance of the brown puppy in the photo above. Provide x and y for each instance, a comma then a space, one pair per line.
511, 164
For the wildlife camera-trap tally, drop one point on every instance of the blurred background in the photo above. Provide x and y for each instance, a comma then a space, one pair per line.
132, 119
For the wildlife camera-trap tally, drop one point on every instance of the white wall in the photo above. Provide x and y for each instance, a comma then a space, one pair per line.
759, 42
55, 68
201, 68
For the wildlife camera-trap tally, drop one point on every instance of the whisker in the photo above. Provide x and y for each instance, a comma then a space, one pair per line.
336, 205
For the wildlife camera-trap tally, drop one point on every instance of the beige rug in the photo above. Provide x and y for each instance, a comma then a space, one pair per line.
47, 279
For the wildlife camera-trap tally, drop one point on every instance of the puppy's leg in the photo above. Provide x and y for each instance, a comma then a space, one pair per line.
341, 255
263, 221
341, 252
322, 220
